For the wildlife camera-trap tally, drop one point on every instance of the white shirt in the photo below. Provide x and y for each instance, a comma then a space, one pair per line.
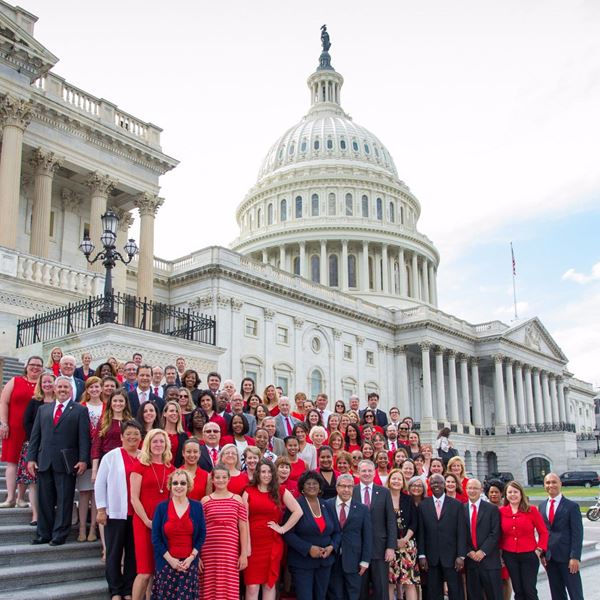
325, 414
56, 405
471, 505
143, 395
363, 487
556, 503
440, 500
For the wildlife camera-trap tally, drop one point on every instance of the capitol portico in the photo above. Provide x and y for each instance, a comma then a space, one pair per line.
330, 285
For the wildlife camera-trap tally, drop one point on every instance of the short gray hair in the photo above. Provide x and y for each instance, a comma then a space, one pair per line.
344, 477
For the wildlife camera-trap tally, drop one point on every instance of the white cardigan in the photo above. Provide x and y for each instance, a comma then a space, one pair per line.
111, 486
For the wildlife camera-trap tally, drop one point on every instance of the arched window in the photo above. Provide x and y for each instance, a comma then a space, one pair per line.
331, 204
343, 144
316, 145
392, 213
298, 207
379, 209
355, 145
315, 268
292, 148
365, 206
349, 205
316, 383
283, 210
314, 205
296, 265
330, 144
333, 270
259, 217
303, 146
351, 271
270, 214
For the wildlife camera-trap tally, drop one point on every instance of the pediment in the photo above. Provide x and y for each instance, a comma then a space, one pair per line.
22, 52
533, 335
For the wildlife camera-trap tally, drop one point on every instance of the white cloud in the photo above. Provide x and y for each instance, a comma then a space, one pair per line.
582, 278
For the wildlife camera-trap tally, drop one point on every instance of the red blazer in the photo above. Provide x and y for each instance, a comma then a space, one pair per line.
228, 439
518, 530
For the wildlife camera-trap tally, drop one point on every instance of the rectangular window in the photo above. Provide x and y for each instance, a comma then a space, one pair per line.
251, 327
252, 374
347, 352
283, 383
283, 336
370, 357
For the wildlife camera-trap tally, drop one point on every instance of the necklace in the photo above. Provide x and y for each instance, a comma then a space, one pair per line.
161, 486
312, 511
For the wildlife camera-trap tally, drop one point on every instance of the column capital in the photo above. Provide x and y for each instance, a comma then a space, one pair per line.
268, 314
400, 350
337, 333
148, 204
425, 346
463, 357
298, 322
535, 370
509, 361
360, 340
552, 376
44, 162
381, 347
100, 184
71, 201
125, 219
452, 354
439, 350
527, 367
15, 112
236, 304
223, 301
474, 361
518, 364
498, 358
559, 379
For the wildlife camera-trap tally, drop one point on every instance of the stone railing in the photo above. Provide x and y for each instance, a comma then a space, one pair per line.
49, 273
56, 88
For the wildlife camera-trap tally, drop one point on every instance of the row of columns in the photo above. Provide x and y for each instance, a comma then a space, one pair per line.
15, 116
416, 276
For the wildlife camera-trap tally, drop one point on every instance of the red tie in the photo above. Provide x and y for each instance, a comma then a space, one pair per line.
367, 497
551, 512
289, 425
393, 446
343, 514
213, 454
58, 413
156, 391
474, 526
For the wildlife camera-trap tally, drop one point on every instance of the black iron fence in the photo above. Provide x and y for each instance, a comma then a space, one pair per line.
129, 310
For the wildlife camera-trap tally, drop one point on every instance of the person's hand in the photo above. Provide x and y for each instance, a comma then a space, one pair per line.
325, 552
471, 554
173, 563
389, 555
459, 563
200, 566
315, 552
80, 467
32, 468
402, 542
362, 571
149, 523
185, 564
275, 527
423, 566
242, 562
94, 475
478, 556
573, 566
101, 516
4, 431
544, 562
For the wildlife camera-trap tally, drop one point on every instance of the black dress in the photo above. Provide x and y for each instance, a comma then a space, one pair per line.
329, 490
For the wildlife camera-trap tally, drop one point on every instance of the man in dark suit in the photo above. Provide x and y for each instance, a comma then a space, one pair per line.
142, 392
209, 451
59, 450
384, 528
565, 530
483, 567
442, 541
380, 416
354, 555
67, 369
285, 421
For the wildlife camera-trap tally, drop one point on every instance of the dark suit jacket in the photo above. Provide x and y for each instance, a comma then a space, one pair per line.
280, 428
306, 534
134, 401
72, 433
79, 373
383, 520
80, 386
356, 544
488, 534
380, 417
443, 540
205, 461
566, 532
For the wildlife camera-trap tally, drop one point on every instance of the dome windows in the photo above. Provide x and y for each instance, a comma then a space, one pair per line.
355, 146
259, 218
365, 206
314, 205
392, 213
329, 144
303, 146
315, 268
351, 271
316, 144
349, 205
367, 149
270, 214
298, 211
292, 149
379, 209
283, 210
296, 265
342, 144
331, 205
333, 270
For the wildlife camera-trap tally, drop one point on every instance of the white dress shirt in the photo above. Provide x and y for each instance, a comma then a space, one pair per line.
556, 503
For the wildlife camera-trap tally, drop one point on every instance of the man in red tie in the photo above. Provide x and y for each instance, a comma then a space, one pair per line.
483, 568
284, 421
59, 449
209, 452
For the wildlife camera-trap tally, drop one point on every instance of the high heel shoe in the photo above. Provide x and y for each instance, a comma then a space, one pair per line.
81, 537
8, 504
92, 537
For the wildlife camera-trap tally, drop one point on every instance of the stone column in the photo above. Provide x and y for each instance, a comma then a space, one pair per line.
14, 115
100, 187
567, 407
427, 401
529, 395
282, 264
402, 371
45, 165
402, 274
120, 270
510, 392
521, 407
554, 398
148, 205
453, 388
439, 384
343, 271
499, 397
385, 272
302, 259
562, 406
537, 396
425, 278
415, 276
377, 270
364, 272
464, 390
546, 398
432, 292
265, 256
324, 279
477, 412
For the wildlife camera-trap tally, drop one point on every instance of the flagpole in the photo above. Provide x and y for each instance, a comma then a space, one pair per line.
514, 278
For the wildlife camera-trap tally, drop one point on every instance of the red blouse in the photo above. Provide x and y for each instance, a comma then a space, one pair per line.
518, 530
320, 522
200, 482
130, 464
297, 469
179, 532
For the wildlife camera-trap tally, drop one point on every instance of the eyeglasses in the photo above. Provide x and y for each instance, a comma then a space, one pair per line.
178, 483
212, 431
36, 365
403, 429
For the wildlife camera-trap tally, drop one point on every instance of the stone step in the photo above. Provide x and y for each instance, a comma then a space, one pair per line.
11, 535
48, 573
21, 554
92, 589
15, 516
3, 483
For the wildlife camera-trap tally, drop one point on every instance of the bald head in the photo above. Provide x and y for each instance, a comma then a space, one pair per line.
552, 484
474, 489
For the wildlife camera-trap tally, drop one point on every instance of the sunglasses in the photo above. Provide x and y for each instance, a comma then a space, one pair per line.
178, 483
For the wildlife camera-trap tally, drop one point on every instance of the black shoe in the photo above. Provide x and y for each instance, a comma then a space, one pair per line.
56, 542
38, 540
33, 523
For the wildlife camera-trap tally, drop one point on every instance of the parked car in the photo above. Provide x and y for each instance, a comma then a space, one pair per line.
585, 478
504, 476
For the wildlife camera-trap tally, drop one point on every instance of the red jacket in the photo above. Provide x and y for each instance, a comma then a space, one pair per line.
518, 530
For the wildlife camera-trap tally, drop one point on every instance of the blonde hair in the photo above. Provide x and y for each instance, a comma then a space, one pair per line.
38, 393
238, 464
85, 397
393, 472
190, 406
352, 414
453, 461
318, 429
179, 426
145, 456
252, 450
50, 362
180, 473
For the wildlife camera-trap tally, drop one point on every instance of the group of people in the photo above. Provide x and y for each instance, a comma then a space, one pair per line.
216, 492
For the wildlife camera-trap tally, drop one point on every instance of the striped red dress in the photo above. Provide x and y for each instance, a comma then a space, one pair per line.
220, 579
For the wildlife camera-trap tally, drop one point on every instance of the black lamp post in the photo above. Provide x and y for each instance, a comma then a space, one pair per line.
597, 436
109, 257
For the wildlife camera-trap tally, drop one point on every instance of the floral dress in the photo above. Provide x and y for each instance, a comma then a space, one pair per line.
404, 569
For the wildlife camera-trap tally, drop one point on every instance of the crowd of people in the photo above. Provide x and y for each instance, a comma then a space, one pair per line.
224, 492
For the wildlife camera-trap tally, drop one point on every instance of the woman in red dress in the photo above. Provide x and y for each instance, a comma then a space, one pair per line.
54, 361
173, 425
225, 551
238, 433
266, 502
208, 402
238, 480
148, 489
454, 489
15, 398
456, 465
353, 437
200, 477
297, 464
270, 400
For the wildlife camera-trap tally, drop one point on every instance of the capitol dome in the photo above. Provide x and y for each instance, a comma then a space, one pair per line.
328, 206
